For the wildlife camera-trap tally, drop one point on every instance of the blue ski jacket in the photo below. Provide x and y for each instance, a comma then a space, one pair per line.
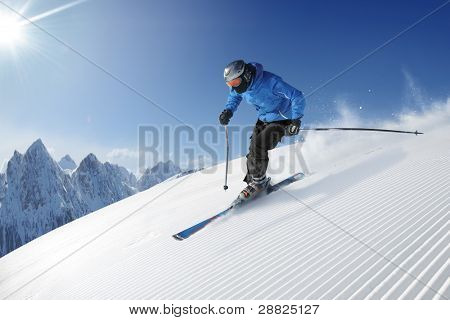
273, 98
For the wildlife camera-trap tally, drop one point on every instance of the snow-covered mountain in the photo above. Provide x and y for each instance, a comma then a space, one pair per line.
38, 195
2, 187
67, 163
39, 198
101, 184
128, 177
159, 173
369, 222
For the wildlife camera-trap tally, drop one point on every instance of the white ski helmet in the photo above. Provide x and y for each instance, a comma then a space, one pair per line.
238, 75
234, 70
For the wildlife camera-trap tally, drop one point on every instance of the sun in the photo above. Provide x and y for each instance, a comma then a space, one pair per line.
10, 31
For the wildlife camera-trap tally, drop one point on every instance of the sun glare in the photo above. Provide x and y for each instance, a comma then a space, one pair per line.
10, 31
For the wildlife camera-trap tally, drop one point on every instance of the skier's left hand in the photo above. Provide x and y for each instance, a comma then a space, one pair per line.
294, 127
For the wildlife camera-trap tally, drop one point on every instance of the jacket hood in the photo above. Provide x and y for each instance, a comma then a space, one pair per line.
258, 76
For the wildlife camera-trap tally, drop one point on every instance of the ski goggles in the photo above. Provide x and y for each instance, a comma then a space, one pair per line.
235, 82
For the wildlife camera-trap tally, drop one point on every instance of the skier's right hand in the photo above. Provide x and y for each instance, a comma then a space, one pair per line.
225, 117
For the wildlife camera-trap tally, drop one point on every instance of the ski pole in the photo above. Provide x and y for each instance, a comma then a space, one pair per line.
361, 129
227, 148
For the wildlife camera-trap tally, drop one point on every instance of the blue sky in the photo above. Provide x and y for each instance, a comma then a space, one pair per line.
174, 52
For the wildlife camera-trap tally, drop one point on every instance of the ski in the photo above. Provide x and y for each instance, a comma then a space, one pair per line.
236, 203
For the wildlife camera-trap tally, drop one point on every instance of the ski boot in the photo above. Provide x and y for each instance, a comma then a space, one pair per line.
254, 188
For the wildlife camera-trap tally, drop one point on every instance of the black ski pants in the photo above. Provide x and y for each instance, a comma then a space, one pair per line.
265, 137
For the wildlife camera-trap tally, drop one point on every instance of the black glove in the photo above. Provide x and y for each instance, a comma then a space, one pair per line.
294, 127
225, 117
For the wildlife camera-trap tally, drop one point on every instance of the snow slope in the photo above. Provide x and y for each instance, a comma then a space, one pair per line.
37, 195
370, 221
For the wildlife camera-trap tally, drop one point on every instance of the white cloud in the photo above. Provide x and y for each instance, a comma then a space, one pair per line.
122, 153
125, 157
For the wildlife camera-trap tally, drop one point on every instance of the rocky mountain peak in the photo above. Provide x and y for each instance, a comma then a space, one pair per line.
90, 164
67, 163
37, 194
37, 156
160, 172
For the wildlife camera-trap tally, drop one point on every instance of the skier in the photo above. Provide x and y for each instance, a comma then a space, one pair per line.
280, 109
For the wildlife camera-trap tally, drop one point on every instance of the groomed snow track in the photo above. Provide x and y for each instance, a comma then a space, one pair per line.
373, 226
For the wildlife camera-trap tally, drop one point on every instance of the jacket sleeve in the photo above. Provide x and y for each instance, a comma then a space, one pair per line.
295, 96
234, 99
